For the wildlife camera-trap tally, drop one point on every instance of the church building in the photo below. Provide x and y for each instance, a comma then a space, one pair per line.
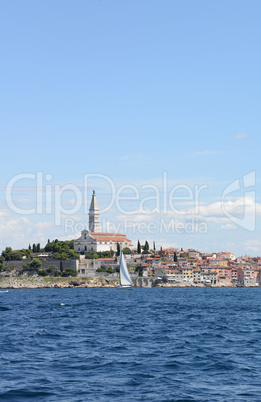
93, 240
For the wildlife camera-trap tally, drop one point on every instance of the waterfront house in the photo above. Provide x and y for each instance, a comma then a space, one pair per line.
187, 274
196, 276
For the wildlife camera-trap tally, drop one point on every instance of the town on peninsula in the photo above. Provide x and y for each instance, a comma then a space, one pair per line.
93, 260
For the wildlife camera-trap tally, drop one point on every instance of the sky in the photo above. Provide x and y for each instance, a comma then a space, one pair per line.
155, 101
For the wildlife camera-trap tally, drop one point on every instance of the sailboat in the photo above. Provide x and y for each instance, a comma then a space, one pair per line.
125, 280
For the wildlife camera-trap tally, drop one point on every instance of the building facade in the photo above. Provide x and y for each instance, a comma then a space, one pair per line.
93, 240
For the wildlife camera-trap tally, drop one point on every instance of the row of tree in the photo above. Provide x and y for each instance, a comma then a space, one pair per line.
60, 250
52, 271
15, 255
36, 248
143, 249
105, 268
63, 250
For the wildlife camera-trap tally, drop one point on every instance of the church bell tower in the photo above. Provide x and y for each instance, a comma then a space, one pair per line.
94, 215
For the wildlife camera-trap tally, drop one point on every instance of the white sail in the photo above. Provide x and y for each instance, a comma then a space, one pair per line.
125, 279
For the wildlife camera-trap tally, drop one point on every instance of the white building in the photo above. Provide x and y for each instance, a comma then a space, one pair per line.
93, 240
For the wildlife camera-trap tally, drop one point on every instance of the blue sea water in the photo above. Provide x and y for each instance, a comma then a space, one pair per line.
160, 344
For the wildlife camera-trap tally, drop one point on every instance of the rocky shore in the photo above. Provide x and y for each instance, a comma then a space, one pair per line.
79, 282
57, 282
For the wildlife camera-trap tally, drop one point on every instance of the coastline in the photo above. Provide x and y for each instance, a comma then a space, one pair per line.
80, 282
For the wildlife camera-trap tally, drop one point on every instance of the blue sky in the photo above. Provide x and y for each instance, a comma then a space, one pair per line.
131, 89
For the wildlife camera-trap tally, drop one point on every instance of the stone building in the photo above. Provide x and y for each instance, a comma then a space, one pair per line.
93, 240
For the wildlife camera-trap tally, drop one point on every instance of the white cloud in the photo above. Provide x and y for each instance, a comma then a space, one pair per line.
253, 245
43, 225
240, 136
218, 213
15, 232
228, 226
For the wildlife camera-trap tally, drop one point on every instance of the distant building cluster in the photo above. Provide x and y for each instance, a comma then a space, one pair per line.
200, 268
174, 266
190, 268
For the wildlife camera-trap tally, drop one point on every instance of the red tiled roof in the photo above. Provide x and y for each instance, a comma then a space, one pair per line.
107, 233
118, 237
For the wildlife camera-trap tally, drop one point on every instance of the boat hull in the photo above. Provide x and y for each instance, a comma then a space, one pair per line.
125, 288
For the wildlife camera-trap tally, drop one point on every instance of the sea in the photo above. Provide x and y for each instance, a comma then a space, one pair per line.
158, 344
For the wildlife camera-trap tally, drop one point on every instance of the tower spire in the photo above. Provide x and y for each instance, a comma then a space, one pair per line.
93, 215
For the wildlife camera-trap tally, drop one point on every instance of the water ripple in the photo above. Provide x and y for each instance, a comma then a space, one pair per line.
145, 345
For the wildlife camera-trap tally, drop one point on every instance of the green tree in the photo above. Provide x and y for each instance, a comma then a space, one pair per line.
118, 249
103, 268
175, 257
90, 255
9, 255
35, 264
138, 248
29, 254
16, 255
154, 247
43, 272
146, 248
70, 272
126, 250
61, 266
38, 248
52, 271
139, 269
6, 253
62, 250
34, 248
29, 247
56, 256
